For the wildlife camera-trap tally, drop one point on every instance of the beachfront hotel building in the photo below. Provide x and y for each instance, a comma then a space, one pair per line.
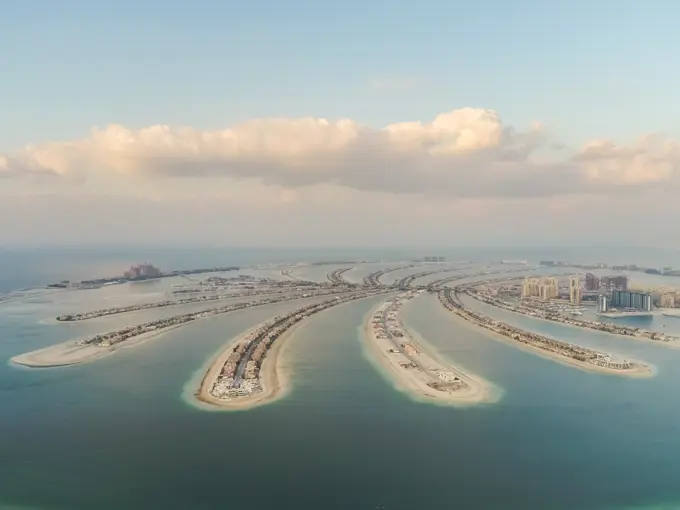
574, 290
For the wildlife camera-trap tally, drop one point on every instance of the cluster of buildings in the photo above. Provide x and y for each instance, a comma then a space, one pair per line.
386, 326
240, 374
554, 312
336, 277
240, 283
450, 300
385, 323
669, 300
115, 337
548, 287
611, 293
373, 279
543, 288
605, 284
74, 317
625, 300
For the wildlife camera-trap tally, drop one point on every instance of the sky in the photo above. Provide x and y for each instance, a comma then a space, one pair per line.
354, 123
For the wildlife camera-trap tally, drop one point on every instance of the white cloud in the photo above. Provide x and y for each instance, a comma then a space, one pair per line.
463, 154
651, 159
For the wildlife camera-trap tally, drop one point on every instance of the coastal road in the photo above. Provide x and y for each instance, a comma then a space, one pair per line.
241, 368
396, 341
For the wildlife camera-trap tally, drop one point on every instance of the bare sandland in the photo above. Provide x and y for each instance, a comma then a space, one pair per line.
275, 375
70, 353
67, 353
415, 382
639, 370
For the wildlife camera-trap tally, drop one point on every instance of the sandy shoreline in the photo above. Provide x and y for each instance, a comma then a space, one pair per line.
413, 382
275, 375
641, 370
275, 372
68, 353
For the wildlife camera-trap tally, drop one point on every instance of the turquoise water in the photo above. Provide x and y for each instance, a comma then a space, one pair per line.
118, 433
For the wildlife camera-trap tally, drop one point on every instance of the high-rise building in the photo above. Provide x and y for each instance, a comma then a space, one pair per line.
575, 290
530, 287
667, 301
611, 283
636, 300
548, 288
592, 282
602, 303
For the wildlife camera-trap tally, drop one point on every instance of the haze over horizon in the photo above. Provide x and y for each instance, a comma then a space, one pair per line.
299, 124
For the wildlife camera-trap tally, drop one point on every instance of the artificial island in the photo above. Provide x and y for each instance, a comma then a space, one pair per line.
244, 373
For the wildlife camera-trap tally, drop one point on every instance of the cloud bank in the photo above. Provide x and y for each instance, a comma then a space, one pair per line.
463, 154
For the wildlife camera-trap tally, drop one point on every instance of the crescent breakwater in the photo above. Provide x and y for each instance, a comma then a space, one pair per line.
245, 373
538, 311
415, 371
573, 355
97, 346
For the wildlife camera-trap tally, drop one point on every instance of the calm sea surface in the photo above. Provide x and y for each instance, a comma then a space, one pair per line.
121, 432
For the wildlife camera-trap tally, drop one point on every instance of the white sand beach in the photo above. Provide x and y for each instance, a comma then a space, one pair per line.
417, 383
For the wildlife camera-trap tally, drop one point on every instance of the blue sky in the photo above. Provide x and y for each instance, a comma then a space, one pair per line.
586, 69
475, 77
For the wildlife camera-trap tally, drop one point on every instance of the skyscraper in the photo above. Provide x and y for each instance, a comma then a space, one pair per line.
574, 290
530, 287
548, 288
602, 303
627, 299
592, 282
611, 283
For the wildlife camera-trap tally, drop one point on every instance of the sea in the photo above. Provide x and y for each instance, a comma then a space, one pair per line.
123, 432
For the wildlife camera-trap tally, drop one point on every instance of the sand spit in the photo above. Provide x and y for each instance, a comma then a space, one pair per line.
416, 370
70, 353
